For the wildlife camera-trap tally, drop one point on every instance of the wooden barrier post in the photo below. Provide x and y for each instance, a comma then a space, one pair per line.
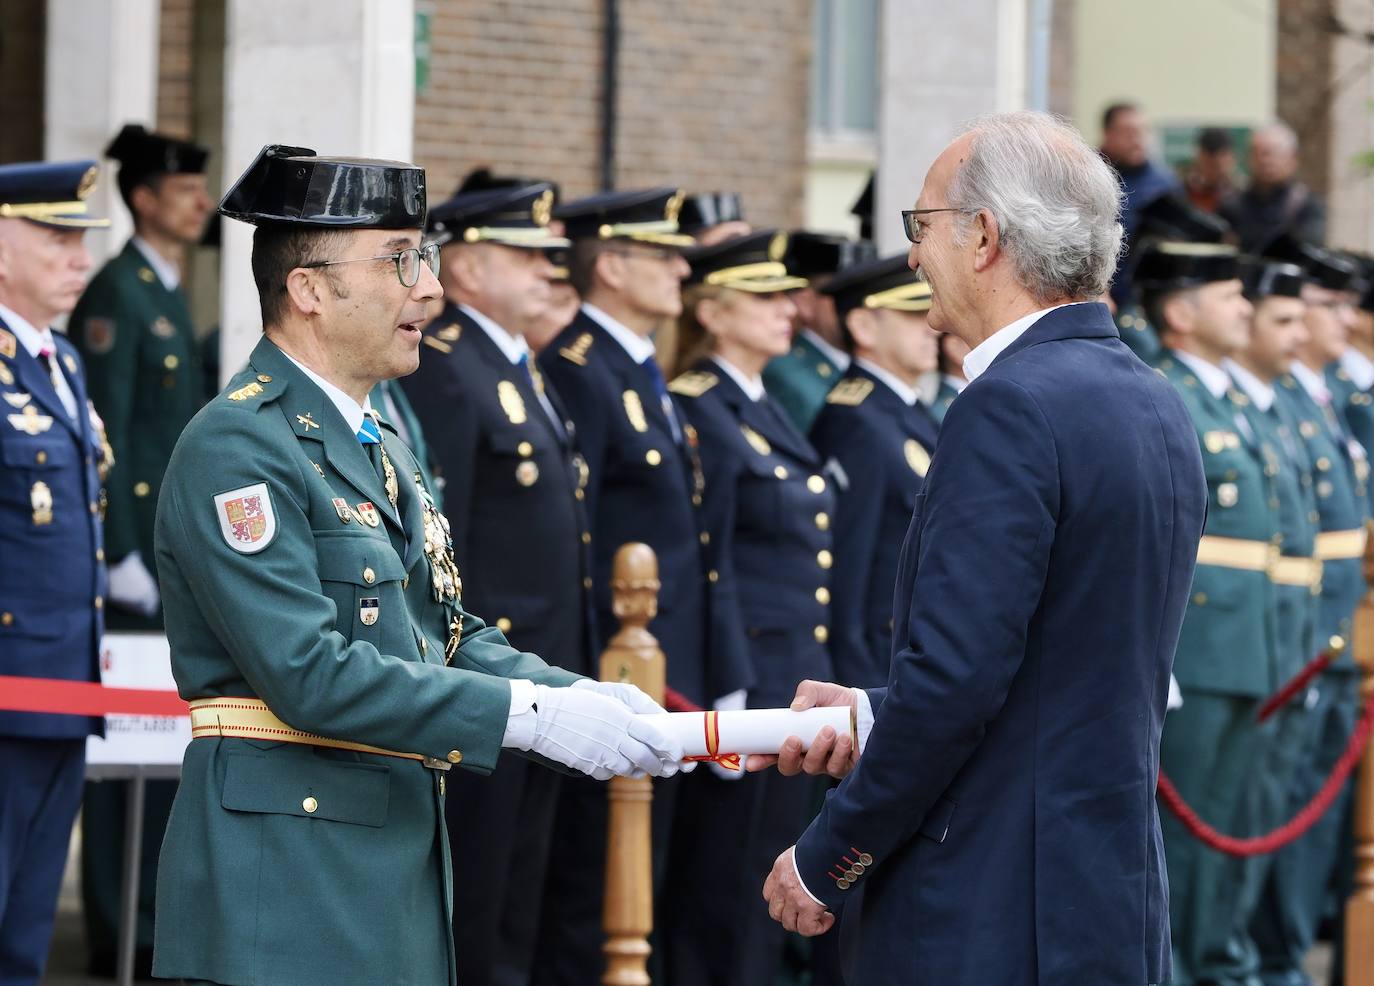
1359, 911
633, 655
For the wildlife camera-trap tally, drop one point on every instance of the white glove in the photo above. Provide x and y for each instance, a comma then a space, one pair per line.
1175, 695
734, 702
634, 698
597, 735
133, 587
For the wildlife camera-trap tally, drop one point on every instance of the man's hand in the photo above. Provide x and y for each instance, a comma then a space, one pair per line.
829, 753
788, 902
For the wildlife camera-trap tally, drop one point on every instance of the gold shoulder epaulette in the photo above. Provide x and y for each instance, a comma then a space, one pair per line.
252, 389
438, 344
850, 393
577, 351
7, 343
693, 384
450, 333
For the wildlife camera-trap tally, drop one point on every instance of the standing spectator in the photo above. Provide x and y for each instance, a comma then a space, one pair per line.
1126, 147
1211, 178
1275, 201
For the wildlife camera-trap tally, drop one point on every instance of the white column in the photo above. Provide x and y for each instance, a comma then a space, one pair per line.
101, 74
942, 64
339, 80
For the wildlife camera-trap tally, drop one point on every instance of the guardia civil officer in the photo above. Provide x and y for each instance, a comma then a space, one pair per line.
801, 377
710, 217
644, 484
1285, 924
52, 587
768, 511
878, 438
315, 615
514, 502
134, 329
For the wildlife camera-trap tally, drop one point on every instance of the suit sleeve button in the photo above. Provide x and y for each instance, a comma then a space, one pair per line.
455, 756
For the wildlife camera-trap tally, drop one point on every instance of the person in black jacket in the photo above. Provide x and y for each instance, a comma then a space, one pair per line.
768, 512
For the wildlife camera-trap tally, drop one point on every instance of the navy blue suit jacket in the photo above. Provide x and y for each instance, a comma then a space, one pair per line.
1005, 801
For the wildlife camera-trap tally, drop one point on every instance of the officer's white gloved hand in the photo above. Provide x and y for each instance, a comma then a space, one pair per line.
635, 698
133, 587
598, 735
1175, 695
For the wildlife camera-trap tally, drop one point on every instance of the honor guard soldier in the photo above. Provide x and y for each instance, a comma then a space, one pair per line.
52, 590
1351, 380
878, 439
133, 327
644, 484
767, 508
317, 627
1285, 925
800, 379
514, 502
1225, 663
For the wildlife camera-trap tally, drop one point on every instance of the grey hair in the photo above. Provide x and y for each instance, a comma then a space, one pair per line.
1056, 203
1282, 132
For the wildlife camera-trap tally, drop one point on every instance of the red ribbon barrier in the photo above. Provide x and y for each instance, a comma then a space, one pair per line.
1299, 682
85, 698
675, 701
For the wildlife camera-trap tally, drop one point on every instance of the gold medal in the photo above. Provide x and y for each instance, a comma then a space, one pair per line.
527, 473
40, 498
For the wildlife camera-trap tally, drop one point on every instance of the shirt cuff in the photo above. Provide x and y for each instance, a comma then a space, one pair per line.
520, 723
863, 718
803, 882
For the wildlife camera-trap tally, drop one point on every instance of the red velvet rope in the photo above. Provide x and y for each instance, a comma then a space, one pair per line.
675, 701
1299, 682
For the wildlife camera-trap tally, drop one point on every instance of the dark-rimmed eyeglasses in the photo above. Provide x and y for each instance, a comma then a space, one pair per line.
915, 227
407, 262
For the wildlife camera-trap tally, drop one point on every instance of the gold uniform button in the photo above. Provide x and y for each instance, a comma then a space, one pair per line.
99, 554
587, 582
7, 619
822, 635
1323, 463
843, 884
578, 494
586, 537
822, 521
704, 538
713, 576
171, 362
780, 472
455, 756
1200, 599
369, 576
41, 457
653, 457
503, 625
865, 859
823, 596
816, 484
142, 489
264, 378
310, 805
824, 558
525, 449
99, 602
696, 499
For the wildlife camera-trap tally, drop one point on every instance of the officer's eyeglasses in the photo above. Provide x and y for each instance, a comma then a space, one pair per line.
916, 227
407, 262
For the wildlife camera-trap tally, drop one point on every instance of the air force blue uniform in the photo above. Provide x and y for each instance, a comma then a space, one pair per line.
1002, 818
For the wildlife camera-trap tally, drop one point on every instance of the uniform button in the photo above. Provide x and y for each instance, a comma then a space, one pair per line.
822, 521
843, 884
1200, 599
816, 484
780, 472
696, 499
1323, 464
704, 538
858, 869
142, 489
99, 602
713, 576
264, 378
587, 582
41, 457
865, 859
586, 537
369, 576
824, 558
455, 756
503, 625
310, 805
99, 554
6, 619
653, 457
424, 646
525, 449
578, 494
823, 596
822, 635
171, 362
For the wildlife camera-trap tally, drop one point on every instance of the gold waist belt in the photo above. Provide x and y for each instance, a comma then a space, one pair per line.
250, 718
1340, 544
1251, 556
1297, 571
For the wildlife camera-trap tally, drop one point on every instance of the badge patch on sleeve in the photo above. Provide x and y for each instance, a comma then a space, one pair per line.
246, 519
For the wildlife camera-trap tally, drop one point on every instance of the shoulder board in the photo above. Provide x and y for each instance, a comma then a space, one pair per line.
576, 352
850, 393
693, 384
434, 343
7, 343
248, 390
449, 333
255, 387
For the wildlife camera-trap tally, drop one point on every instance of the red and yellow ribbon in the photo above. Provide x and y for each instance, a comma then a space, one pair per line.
710, 722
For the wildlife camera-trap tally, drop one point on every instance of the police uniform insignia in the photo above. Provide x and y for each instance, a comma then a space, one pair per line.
146, 275
777, 246
246, 391
438, 344
307, 421
341, 508
40, 499
511, 402
100, 334
1307, 429
1215, 441
69, 361
30, 422
756, 441
163, 328
576, 352
542, 210
673, 206
246, 519
369, 608
317, 468
693, 384
916, 457
1228, 495
634, 410
16, 400
449, 333
824, 370
527, 473
367, 514
1325, 489
850, 393
6, 377
7, 343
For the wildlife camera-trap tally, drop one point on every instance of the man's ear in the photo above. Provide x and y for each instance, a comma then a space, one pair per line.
610, 269
142, 200
305, 289
1179, 313
988, 242
863, 328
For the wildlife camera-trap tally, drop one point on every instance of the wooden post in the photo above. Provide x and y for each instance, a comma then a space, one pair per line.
1359, 911
633, 655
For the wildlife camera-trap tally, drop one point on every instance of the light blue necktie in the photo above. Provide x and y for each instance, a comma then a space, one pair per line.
369, 434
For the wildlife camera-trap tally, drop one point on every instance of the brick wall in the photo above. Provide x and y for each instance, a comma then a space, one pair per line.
174, 106
22, 37
712, 94
1303, 78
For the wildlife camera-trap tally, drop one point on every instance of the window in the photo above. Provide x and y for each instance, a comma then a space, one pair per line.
844, 69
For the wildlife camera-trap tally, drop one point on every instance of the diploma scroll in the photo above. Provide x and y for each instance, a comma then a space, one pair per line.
725, 737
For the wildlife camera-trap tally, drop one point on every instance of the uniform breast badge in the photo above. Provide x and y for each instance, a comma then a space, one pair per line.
40, 498
634, 410
756, 441
369, 608
16, 400
341, 508
367, 514
511, 402
30, 422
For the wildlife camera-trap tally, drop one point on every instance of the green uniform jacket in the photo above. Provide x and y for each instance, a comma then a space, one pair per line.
143, 371
335, 624
1137, 332
944, 397
1356, 408
388, 396
1227, 645
800, 380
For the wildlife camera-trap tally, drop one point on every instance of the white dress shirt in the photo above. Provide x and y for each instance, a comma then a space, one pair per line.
906, 393
980, 357
1312, 382
1359, 367
639, 347
1261, 394
752, 386
1213, 377
515, 348
165, 270
34, 341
